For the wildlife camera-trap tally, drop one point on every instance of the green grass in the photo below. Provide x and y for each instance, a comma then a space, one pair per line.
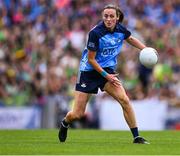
87, 142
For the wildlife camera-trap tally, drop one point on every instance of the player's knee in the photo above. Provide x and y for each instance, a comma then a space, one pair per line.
124, 101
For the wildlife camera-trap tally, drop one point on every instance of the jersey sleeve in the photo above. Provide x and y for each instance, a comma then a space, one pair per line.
126, 32
93, 41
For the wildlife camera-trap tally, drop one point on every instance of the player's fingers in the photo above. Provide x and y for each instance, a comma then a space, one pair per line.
116, 84
116, 80
115, 75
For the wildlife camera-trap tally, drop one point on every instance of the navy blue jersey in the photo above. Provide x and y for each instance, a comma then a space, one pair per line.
106, 44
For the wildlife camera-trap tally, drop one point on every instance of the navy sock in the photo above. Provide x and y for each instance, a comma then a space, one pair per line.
135, 132
65, 123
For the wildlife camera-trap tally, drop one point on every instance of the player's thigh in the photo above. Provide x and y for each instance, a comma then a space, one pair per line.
80, 101
118, 93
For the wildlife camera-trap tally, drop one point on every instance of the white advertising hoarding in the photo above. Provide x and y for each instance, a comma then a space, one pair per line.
20, 118
150, 114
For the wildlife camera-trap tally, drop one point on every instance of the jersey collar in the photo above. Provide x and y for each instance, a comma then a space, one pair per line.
108, 30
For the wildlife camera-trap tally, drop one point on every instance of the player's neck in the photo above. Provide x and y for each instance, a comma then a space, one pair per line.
111, 29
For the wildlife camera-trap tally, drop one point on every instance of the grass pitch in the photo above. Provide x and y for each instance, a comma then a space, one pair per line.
87, 142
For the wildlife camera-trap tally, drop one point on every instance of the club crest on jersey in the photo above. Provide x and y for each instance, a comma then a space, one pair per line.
113, 42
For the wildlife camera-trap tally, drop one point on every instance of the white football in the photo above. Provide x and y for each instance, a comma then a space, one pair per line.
148, 57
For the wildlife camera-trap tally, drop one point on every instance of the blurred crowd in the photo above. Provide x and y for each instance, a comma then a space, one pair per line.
41, 43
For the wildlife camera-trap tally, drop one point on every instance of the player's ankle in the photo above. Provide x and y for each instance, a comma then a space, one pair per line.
65, 123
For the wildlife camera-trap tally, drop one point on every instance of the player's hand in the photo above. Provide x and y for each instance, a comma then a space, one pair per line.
112, 78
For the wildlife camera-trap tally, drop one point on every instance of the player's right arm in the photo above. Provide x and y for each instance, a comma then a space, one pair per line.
92, 46
110, 77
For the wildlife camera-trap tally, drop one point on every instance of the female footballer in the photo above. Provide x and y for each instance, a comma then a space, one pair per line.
97, 70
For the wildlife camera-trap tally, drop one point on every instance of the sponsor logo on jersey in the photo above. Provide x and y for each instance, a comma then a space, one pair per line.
109, 51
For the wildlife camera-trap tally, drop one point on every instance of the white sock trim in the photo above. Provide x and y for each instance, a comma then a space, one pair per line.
137, 137
64, 125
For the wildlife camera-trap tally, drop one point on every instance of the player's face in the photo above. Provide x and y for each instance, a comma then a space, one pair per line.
109, 18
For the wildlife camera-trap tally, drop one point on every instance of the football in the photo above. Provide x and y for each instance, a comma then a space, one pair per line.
148, 57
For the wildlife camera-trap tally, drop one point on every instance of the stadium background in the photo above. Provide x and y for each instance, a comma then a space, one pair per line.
40, 48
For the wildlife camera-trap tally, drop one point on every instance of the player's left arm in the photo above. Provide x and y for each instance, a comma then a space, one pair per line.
135, 42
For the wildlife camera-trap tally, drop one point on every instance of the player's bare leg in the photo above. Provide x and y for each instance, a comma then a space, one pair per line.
79, 107
77, 112
119, 94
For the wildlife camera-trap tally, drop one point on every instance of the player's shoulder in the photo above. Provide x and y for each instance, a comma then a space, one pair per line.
120, 27
98, 29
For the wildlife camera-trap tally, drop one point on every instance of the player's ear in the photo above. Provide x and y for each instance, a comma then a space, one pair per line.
118, 14
117, 18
